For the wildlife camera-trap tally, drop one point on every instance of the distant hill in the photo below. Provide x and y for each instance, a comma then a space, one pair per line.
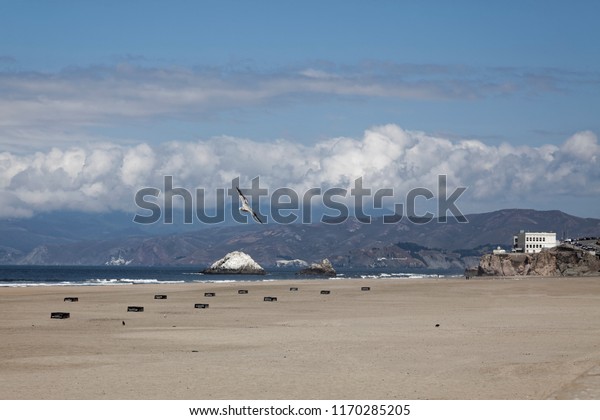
90, 239
20, 236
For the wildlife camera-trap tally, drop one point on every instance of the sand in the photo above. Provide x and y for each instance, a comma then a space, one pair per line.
509, 338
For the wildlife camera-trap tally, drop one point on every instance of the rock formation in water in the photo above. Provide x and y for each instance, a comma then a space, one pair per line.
324, 268
235, 262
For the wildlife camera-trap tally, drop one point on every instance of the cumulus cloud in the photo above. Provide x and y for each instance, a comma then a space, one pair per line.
583, 146
106, 176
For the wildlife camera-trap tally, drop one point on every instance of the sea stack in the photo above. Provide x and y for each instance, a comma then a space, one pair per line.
324, 268
235, 262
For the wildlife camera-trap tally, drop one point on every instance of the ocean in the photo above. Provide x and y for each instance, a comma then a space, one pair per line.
35, 275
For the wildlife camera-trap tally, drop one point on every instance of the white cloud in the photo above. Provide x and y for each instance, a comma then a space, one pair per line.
49, 107
583, 145
137, 165
106, 176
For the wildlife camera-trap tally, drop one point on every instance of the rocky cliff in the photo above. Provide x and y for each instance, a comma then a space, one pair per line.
559, 261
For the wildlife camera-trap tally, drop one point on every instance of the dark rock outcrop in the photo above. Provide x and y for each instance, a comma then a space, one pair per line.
559, 261
324, 268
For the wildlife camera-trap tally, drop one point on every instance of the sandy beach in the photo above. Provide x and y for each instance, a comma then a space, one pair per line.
510, 338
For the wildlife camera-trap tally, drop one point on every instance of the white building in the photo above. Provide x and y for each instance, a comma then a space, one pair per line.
532, 242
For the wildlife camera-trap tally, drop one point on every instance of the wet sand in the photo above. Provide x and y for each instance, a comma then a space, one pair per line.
517, 338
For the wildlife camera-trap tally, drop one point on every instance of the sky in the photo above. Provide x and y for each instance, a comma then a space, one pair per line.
100, 99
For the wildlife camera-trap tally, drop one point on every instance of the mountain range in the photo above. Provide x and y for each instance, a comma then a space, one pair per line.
97, 239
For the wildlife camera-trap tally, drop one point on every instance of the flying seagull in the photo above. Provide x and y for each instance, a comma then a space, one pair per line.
246, 207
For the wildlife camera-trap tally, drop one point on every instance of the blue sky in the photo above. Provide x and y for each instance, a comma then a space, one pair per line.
86, 81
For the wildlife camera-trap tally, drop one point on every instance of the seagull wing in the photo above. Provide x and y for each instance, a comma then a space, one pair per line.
246, 206
244, 199
256, 218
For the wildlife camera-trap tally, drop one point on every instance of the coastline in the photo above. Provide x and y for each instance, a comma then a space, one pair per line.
497, 338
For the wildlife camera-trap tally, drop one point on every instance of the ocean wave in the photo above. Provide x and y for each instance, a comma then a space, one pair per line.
215, 281
89, 282
94, 276
253, 280
129, 281
401, 275
31, 284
